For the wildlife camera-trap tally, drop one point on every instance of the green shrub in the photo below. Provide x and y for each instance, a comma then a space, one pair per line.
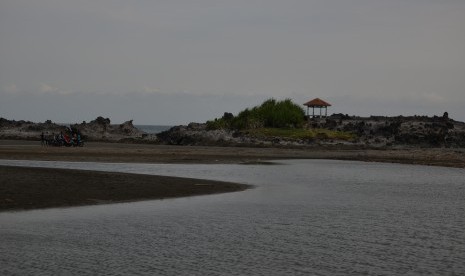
221, 123
270, 114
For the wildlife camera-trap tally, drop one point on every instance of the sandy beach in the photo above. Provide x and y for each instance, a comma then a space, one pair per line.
148, 153
29, 188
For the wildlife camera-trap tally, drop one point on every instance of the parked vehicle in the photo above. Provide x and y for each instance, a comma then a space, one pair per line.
66, 140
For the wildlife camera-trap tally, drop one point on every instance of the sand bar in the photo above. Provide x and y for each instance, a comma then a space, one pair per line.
30, 188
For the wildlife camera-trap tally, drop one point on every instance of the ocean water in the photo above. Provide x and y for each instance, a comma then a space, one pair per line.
304, 217
153, 129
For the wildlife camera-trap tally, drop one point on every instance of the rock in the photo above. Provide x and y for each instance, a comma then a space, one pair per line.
99, 129
195, 134
374, 131
25, 130
101, 121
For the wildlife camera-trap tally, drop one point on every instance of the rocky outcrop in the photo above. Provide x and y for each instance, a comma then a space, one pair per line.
196, 134
374, 131
99, 129
420, 131
25, 130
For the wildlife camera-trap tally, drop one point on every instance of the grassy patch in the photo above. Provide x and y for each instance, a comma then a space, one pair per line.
300, 133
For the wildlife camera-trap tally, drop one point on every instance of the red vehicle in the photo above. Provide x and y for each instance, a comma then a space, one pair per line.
66, 140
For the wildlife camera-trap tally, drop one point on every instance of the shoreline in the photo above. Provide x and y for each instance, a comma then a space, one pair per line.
149, 153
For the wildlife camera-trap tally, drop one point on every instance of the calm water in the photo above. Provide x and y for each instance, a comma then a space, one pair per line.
304, 217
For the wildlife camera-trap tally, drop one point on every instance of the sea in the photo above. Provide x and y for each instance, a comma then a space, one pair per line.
303, 217
153, 129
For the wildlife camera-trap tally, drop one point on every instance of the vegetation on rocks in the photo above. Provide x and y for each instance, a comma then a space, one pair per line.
275, 119
261, 126
301, 133
271, 124
270, 114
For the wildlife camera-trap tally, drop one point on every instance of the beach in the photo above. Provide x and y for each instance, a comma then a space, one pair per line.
30, 188
150, 153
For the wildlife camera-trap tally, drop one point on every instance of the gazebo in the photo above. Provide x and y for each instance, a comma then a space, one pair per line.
318, 103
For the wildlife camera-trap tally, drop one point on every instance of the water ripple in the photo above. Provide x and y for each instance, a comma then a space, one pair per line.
305, 217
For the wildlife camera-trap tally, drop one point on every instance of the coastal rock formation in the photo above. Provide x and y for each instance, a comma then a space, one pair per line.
374, 131
195, 134
420, 131
99, 129
26, 130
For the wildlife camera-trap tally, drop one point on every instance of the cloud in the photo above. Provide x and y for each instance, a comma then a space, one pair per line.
45, 88
147, 90
434, 98
150, 90
48, 89
370, 57
10, 89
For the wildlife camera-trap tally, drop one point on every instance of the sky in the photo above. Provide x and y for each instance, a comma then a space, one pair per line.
170, 62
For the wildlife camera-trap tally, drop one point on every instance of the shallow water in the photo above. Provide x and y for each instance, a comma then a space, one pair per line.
304, 217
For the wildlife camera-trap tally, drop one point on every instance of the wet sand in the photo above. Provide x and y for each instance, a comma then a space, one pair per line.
146, 153
24, 188
28, 188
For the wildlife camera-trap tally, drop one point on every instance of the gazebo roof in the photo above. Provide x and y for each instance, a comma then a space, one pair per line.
317, 102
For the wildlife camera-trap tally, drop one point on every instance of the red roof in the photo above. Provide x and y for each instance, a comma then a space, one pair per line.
317, 103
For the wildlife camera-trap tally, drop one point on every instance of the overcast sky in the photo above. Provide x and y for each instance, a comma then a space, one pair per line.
178, 61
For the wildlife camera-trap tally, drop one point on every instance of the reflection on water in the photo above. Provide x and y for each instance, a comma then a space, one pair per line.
304, 217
